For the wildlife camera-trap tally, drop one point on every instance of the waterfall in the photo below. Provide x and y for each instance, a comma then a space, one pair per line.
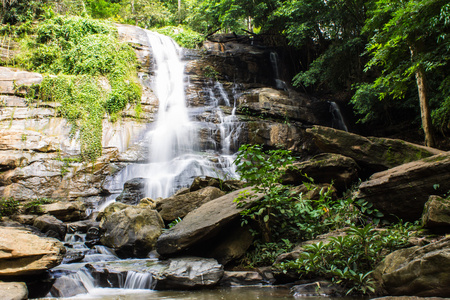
279, 84
337, 120
185, 141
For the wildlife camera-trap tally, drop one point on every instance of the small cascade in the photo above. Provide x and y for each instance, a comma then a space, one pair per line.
274, 60
337, 120
137, 280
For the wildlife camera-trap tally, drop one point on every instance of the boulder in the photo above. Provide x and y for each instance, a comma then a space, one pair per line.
51, 226
131, 231
202, 224
436, 214
24, 253
371, 153
202, 182
402, 191
323, 168
178, 206
67, 286
133, 191
188, 273
68, 211
418, 271
13, 291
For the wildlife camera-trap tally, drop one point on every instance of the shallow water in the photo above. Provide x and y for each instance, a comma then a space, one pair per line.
236, 293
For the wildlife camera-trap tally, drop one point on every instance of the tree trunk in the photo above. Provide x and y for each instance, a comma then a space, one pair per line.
423, 100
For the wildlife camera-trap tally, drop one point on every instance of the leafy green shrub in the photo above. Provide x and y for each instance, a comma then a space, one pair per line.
349, 260
8, 207
184, 36
34, 206
280, 214
96, 74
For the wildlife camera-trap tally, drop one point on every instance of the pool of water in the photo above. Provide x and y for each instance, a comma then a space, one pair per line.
235, 293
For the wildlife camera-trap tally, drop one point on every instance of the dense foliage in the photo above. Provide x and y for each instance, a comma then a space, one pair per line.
89, 72
282, 218
389, 58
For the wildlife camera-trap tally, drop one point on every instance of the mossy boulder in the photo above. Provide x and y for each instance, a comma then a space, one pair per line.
372, 154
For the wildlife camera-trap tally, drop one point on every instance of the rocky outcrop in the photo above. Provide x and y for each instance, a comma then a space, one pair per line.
13, 291
418, 271
178, 273
130, 230
276, 135
133, 191
16, 82
285, 106
372, 154
402, 191
436, 214
24, 253
242, 278
201, 225
54, 177
178, 206
69, 211
323, 168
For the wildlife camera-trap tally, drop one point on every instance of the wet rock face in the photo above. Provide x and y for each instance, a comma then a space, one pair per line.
133, 191
24, 253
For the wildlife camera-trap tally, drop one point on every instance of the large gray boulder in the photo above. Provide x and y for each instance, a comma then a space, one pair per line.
418, 271
130, 230
371, 153
202, 224
51, 226
24, 253
402, 191
178, 206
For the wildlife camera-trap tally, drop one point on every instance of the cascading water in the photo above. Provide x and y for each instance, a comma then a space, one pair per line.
175, 154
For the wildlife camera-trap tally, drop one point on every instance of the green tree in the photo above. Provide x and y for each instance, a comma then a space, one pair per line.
330, 32
409, 44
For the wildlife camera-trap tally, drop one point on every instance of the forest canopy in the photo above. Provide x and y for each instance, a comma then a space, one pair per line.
387, 58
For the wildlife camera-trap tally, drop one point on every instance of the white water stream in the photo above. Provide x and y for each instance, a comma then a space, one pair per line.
176, 154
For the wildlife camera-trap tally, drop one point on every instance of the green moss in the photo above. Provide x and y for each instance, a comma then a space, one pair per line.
184, 36
90, 72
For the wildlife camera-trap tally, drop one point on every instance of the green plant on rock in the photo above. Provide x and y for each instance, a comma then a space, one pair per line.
184, 36
349, 260
8, 207
96, 74
35, 205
